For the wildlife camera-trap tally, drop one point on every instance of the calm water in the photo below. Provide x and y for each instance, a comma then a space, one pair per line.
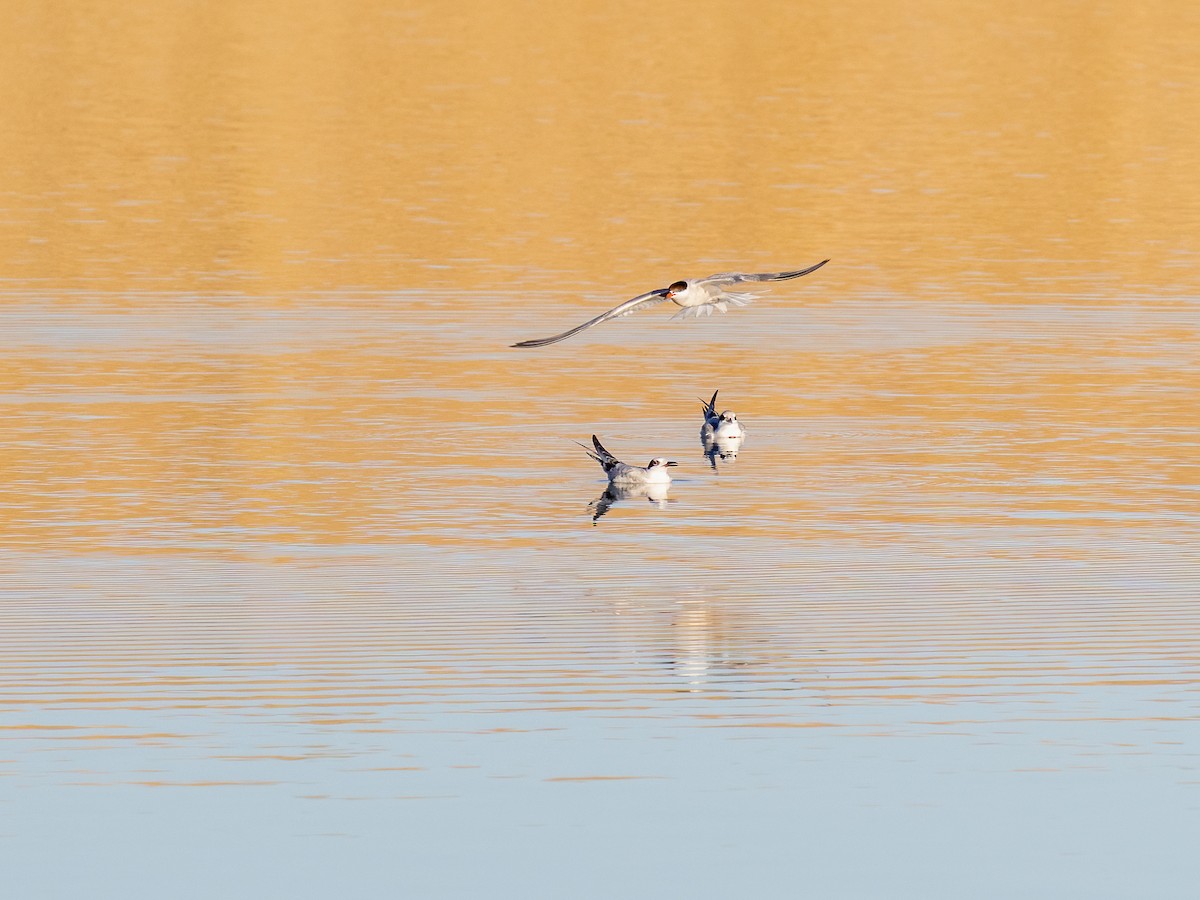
303, 591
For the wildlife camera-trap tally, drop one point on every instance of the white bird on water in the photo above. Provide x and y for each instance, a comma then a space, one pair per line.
623, 474
719, 428
697, 297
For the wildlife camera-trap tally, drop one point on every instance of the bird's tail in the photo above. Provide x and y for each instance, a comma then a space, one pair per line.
589, 452
723, 304
602, 456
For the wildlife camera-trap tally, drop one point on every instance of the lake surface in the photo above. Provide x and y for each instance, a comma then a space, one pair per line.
304, 586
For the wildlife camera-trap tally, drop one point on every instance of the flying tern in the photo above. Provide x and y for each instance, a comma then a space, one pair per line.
621, 473
696, 297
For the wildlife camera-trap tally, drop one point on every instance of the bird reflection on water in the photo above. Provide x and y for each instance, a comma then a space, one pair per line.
724, 449
655, 493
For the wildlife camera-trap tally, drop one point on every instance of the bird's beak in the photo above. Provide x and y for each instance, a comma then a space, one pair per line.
672, 462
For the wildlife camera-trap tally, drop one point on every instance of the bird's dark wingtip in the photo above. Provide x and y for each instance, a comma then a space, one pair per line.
788, 276
542, 342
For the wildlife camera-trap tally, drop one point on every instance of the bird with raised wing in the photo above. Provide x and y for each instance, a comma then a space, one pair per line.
622, 473
723, 427
695, 297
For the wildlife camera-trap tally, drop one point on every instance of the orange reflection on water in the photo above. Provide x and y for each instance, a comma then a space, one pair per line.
272, 150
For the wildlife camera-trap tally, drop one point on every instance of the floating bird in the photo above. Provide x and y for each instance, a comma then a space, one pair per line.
621, 473
697, 297
721, 435
723, 427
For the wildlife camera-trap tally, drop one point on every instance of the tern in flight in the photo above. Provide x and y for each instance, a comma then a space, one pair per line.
697, 297
623, 474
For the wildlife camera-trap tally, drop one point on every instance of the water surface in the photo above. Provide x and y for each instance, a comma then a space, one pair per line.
302, 586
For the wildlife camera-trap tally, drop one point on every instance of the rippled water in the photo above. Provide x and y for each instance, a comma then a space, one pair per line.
304, 588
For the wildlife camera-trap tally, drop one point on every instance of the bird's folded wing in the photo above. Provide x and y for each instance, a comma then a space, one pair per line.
629, 306
605, 456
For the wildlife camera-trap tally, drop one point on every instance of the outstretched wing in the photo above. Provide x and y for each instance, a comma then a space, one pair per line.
710, 408
629, 306
735, 277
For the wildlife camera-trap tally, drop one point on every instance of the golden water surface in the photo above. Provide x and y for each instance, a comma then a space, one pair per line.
286, 524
